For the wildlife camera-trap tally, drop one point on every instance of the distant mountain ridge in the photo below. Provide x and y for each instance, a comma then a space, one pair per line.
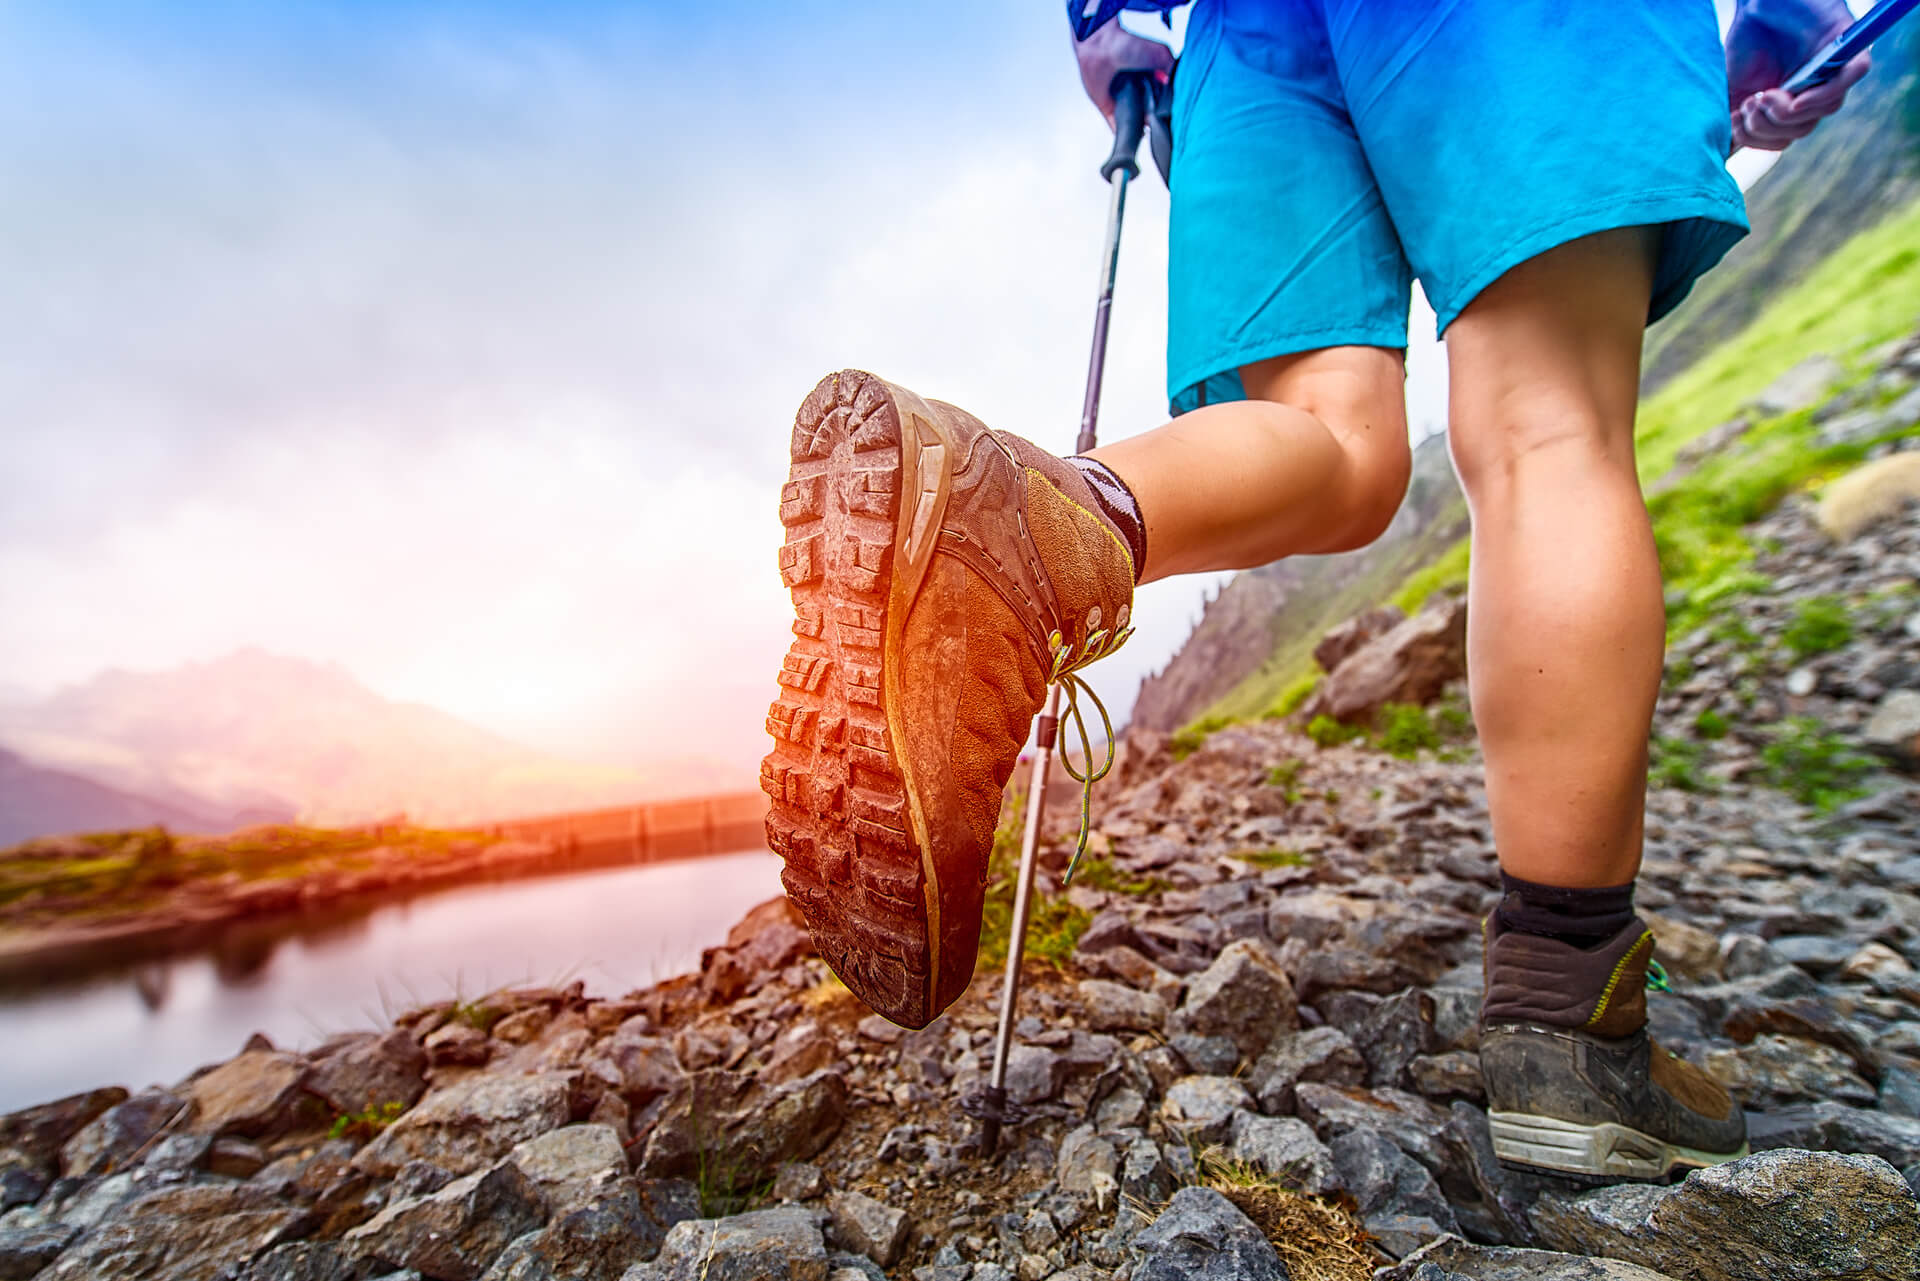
256, 733
41, 802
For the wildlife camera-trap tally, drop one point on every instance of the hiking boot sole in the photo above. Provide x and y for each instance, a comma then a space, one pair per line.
1605, 1151
870, 477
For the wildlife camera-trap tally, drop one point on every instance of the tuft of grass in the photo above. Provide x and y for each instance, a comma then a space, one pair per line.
1275, 857
1318, 1238
1187, 740
1814, 765
1710, 724
1327, 732
1098, 872
1676, 762
1819, 624
1286, 777
367, 1122
1449, 569
1295, 693
1406, 730
1054, 925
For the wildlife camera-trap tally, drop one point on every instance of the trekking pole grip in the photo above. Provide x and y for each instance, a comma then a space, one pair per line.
1131, 94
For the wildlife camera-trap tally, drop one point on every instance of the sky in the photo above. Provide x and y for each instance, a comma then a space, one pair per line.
458, 343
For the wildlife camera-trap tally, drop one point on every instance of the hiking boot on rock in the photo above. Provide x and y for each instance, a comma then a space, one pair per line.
942, 574
1574, 1084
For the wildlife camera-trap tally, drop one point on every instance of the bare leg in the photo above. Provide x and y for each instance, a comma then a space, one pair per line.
1565, 620
1314, 461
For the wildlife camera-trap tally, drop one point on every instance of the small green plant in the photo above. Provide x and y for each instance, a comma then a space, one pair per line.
1187, 740
1098, 872
1331, 796
1813, 765
1054, 924
1327, 732
1275, 857
1819, 624
1297, 692
1710, 724
1286, 777
367, 1122
1676, 762
1406, 730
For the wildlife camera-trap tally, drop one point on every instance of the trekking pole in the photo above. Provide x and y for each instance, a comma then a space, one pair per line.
1131, 95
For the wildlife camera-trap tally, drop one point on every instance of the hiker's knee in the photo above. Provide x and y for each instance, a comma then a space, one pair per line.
1359, 394
1513, 440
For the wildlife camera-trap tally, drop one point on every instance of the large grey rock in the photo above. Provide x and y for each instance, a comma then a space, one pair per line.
1776, 1070
1145, 1176
24, 1251
1335, 647
571, 1165
1773, 1216
869, 1227
1408, 1121
251, 1094
470, 1125
1034, 1073
1835, 1127
596, 1239
780, 1244
40, 1132
453, 1234
113, 1137
1323, 1055
1202, 1236
1114, 1007
300, 1261
1801, 387
1399, 1201
1410, 664
639, 1068
1243, 996
371, 1072
1200, 1109
731, 1129
1451, 1259
181, 1234
1283, 1147
1393, 1034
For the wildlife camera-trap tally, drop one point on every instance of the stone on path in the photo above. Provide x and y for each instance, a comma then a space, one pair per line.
1322, 1055
1200, 1109
1836, 1127
1774, 1216
1243, 996
112, 1138
1450, 1257
739, 1129
1283, 1147
370, 1072
595, 1240
1335, 647
1801, 387
1399, 1202
1115, 1007
39, 1133
869, 1227
453, 1234
780, 1244
470, 1125
1894, 728
24, 1251
1202, 1236
183, 1233
570, 1164
251, 1094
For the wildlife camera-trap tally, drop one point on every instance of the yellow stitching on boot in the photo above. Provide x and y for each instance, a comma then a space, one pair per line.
1097, 519
1613, 981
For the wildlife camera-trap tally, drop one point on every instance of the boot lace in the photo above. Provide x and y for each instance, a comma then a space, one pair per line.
1100, 642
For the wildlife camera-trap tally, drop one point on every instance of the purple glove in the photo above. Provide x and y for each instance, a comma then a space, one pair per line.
1111, 50
1768, 41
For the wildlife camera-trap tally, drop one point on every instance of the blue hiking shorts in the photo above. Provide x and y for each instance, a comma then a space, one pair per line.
1328, 152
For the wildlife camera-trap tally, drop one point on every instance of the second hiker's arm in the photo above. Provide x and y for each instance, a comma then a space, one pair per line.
1111, 50
1768, 41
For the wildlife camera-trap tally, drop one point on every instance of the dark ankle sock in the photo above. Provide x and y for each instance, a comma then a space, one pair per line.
1117, 503
1579, 917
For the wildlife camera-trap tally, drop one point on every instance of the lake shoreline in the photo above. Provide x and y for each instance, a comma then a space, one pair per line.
82, 940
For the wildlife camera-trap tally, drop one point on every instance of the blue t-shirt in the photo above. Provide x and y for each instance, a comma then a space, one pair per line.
1087, 16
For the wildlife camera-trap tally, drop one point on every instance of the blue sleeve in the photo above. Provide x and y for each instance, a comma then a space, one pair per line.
1088, 16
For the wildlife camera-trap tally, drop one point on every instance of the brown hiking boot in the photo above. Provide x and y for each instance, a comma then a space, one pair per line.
1574, 1084
941, 574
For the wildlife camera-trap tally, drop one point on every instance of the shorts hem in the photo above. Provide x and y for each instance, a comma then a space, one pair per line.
1669, 205
1232, 358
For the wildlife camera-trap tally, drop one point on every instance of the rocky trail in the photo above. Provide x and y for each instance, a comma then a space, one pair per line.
1251, 1054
